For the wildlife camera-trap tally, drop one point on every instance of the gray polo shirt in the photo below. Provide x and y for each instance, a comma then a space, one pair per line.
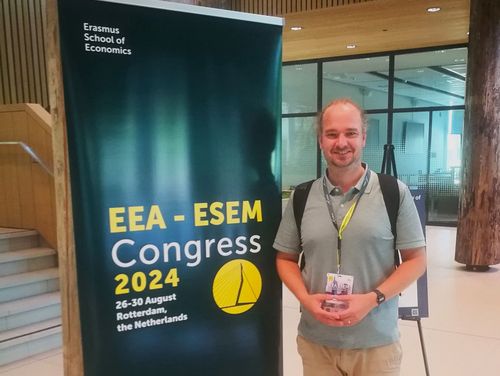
367, 254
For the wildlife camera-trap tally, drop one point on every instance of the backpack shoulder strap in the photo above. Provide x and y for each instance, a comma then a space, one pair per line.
299, 202
390, 192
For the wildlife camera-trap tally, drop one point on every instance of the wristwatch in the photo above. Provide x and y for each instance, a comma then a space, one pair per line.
380, 296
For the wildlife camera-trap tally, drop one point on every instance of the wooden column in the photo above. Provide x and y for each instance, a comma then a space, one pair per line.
478, 233
72, 338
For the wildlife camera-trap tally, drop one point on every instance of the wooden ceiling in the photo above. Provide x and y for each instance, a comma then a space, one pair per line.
374, 26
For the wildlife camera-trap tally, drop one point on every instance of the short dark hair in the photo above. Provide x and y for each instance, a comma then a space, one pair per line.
319, 121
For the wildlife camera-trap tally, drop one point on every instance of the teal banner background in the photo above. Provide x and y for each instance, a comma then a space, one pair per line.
191, 115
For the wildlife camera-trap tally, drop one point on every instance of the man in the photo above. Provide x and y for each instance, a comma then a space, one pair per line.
361, 338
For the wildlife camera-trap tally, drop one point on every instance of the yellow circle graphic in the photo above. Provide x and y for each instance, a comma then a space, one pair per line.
237, 286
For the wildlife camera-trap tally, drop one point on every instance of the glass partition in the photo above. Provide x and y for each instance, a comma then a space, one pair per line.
298, 151
300, 88
428, 79
426, 116
445, 165
376, 138
411, 147
363, 80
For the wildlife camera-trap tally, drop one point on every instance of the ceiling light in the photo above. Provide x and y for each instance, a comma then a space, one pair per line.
296, 28
351, 46
433, 9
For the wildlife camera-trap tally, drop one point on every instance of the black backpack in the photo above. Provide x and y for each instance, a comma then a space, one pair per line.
390, 192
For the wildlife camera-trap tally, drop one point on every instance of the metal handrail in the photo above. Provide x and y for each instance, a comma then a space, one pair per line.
30, 152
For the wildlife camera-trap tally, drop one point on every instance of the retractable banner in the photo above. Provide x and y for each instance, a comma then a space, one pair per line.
172, 115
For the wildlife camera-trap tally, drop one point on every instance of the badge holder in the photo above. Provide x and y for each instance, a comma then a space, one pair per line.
337, 284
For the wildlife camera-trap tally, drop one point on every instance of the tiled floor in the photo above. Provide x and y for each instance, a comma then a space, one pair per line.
462, 334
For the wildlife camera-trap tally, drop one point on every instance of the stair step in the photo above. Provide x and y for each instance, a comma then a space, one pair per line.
30, 310
27, 278
27, 260
28, 304
26, 254
18, 239
23, 285
30, 340
18, 333
16, 233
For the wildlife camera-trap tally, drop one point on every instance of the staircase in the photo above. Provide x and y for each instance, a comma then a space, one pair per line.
30, 304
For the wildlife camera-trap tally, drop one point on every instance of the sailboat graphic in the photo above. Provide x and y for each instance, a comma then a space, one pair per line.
237, 286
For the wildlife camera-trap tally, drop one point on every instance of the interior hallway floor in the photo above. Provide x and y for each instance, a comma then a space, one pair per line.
462, 334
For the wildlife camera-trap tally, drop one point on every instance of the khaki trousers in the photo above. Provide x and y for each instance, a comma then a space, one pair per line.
321, 360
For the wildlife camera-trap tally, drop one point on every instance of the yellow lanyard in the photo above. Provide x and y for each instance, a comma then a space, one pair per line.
347, 217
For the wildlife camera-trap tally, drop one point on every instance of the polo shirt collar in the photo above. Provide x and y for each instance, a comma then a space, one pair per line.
337, 191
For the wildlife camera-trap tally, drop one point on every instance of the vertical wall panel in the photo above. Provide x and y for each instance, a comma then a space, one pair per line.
34, 52
281, 7
3, 53
21, 41
41, 27
23, 76
11, 88
16, 58
29, 52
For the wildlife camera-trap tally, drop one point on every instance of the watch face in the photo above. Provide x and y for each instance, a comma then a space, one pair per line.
380, 297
